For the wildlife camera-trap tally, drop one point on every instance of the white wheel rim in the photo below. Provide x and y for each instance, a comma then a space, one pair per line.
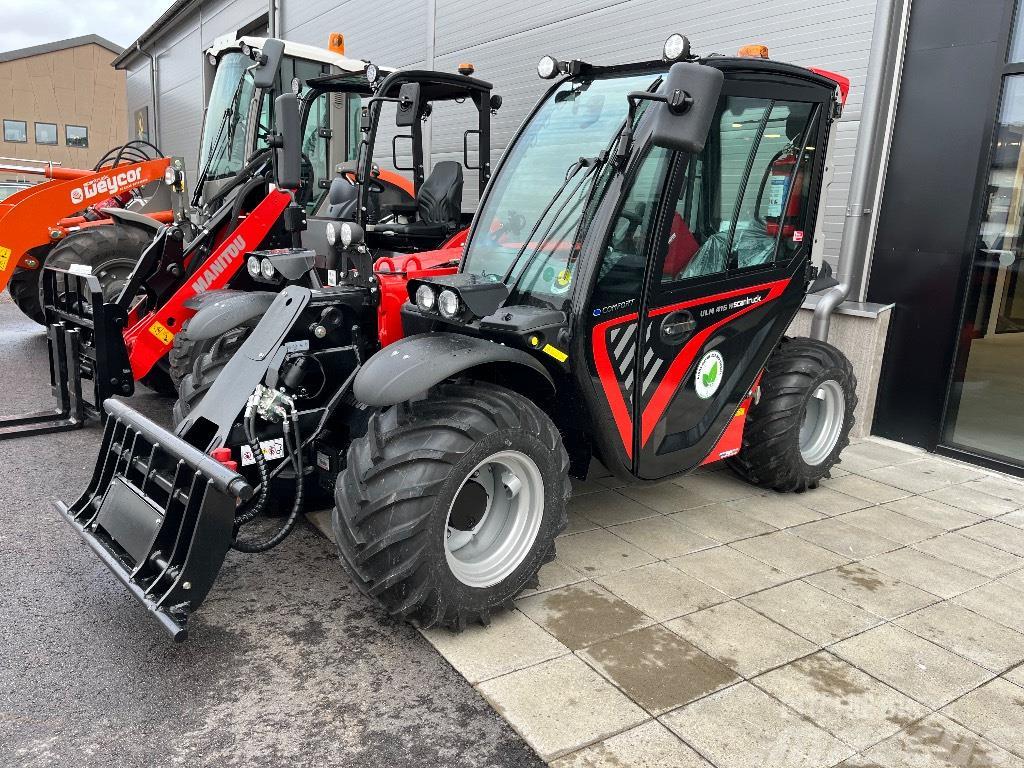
823, 422
493, 521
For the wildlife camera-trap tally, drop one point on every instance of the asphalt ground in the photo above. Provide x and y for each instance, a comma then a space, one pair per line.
286, 664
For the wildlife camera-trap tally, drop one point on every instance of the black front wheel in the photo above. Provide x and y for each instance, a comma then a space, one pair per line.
801, 419
25, 291
449, 506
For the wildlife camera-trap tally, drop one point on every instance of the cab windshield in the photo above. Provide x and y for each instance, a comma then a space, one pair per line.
534, 210
223, 150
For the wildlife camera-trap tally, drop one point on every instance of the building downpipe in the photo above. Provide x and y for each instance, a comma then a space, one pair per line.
154, 81
884, 62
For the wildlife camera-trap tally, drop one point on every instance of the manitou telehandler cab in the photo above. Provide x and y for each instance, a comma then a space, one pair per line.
624, 294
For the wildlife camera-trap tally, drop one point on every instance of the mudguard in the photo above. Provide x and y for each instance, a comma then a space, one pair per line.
220, 311
131, 218
406, 369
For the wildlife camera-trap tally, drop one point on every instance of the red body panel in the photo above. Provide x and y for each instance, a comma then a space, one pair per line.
151, 336
392, 277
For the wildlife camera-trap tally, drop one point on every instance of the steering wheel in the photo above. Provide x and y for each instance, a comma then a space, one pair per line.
347, 171
635, 219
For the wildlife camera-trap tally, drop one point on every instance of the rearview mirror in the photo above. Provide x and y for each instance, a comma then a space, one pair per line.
288, 141
408, 105
682, 120
271, 53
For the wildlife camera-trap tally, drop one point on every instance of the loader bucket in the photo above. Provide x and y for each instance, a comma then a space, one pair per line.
159, 513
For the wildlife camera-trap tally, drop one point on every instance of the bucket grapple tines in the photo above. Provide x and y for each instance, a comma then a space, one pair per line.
159, 513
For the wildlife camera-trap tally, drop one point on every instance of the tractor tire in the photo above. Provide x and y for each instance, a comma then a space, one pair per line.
215, 354
24, 287
111, 250
449, 506
801, 421
186, 352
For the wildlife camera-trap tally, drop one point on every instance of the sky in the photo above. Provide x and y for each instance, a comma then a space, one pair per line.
31, 22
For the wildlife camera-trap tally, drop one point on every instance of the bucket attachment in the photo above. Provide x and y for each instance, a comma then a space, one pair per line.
85, 339
159, 513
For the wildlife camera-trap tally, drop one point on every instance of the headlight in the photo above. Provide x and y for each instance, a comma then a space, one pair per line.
425, 298
676, 47
245, 49
332, 233
449, 304
253, 265
296, 86
371, 73
346, 234
170, 176
267, 269
547, 67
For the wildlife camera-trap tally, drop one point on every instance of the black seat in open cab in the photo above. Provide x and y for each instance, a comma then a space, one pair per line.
438, 207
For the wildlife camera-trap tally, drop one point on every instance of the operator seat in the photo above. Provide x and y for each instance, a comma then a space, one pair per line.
438, 207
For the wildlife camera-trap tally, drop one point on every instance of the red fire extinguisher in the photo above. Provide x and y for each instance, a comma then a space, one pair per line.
783, 174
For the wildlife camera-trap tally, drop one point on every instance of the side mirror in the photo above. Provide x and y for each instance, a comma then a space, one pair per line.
690, 101
288, 141
408, 105
266, 71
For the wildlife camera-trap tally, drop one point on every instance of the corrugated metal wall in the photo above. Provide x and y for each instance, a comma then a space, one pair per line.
505, 40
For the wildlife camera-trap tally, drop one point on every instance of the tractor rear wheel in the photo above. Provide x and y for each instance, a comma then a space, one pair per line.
801, 420
449, 506
24, 287
211, 355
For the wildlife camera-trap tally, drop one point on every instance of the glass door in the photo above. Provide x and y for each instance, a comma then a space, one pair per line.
985, 413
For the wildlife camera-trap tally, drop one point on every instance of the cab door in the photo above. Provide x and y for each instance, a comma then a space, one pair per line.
724, 240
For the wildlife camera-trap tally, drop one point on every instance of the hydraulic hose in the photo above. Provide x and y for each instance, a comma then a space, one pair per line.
293, 444
257, 507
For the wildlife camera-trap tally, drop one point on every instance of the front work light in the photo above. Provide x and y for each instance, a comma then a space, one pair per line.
372, 73
425, 298
676, 48
267, 269
346, 234
253, 265
170, 176
547, 67
332, 233
448, 303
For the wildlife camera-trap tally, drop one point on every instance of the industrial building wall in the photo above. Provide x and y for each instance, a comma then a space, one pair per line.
505, 40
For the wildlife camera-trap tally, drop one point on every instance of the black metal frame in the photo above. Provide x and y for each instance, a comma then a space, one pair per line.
80, 327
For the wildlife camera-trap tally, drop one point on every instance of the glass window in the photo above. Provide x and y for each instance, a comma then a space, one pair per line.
987, 400
76, 135
742, 191
15, 130
1017, 42
46, 133
536, 205
625, 256
314, 148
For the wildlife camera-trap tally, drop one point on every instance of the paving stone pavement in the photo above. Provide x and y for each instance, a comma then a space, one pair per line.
877, 621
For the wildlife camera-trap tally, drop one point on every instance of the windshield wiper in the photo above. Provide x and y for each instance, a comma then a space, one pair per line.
591, 164
228, 112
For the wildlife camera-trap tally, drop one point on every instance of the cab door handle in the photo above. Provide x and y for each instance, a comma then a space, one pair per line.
676, 327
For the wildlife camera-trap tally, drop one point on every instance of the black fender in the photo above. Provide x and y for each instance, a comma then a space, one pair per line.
134, 219
406, 369
222, 310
